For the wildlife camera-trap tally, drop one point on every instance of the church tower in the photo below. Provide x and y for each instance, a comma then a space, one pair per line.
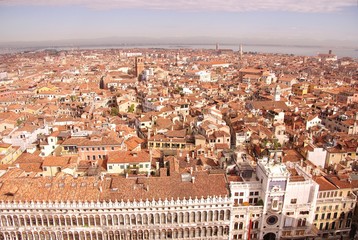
240, 52
139, 66
277, 94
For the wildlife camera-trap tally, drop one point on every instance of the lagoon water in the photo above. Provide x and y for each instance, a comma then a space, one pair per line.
281, 49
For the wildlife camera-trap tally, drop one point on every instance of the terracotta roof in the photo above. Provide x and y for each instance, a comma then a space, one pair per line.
128, 157
52, 161
15, 187
324, 184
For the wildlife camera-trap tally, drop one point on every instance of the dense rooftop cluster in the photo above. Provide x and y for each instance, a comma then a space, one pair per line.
135, 124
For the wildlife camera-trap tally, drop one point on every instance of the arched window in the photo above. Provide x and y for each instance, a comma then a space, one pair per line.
222, 215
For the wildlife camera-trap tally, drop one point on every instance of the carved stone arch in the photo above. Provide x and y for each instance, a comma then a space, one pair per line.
85, 220
227, 215
127, 219
157, 218
151, 234
175, 233
139, 219
82, 235
145, 219
151, 218
115, 219
146, 234
197, 232
216, 215
203, 232
181, 217
180, 233
192, 217
169, 218
110, 235
157, 234
21, 220
222, 215
220, 231
163, 234
92, 220
133, 219
210, 216
62, 220
71, 235
3, 220
215, 231
101, 236
205, 216
68, 220
109, 220
120, 219
163, 219
15, 220
186, 232
94, 235
198, 217
175, 217
88, 235
76, 235
103, 221
186, 217
209, 232
74, 220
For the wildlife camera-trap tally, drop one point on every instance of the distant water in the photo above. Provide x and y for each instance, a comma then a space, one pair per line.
295, 50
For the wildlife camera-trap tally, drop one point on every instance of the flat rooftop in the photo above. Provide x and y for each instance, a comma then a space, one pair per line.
16, 186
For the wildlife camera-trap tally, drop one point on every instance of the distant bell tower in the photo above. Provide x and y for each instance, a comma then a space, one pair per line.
139, 66
177, 58
240, 52
277, 94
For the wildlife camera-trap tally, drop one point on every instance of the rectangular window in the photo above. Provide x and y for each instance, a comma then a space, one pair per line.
333, 225
321, 226
109, 167
293, 200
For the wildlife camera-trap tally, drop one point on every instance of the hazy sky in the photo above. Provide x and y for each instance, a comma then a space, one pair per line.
38, 20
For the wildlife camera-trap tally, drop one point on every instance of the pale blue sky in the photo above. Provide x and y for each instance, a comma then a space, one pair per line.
281, 20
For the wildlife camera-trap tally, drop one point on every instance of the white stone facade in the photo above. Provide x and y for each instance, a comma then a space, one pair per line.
168, 219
